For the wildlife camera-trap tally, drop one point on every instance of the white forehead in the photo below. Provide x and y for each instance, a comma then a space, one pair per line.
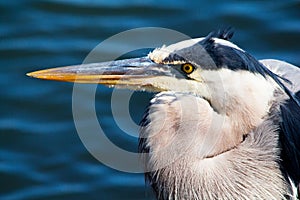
159, 54
182, 44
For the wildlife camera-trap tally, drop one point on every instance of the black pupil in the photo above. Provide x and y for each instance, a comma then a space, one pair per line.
187, 68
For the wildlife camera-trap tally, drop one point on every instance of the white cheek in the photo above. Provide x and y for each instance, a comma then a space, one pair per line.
196, 75
252, 90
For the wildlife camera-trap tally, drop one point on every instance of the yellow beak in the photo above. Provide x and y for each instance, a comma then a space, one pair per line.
136, 73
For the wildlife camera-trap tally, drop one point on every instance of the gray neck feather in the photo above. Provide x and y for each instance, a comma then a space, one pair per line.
249, 171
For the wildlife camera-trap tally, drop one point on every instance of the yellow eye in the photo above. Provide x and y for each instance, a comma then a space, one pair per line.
187, 68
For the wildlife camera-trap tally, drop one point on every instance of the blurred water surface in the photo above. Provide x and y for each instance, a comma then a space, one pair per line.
41, 155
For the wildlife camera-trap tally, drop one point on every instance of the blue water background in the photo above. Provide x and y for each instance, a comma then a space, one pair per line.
41, 155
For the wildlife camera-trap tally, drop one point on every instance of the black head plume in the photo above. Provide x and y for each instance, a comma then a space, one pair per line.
225, 34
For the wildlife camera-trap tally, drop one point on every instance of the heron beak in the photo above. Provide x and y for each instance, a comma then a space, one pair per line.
136, 73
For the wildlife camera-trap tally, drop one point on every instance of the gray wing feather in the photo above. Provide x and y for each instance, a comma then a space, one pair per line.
290, 113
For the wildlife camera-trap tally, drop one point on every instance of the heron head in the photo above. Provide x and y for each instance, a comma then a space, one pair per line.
210, 67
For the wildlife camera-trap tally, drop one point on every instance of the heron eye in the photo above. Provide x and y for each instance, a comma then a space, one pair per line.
187, 68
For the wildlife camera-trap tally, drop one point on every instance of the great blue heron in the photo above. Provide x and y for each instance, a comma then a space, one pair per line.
223, 125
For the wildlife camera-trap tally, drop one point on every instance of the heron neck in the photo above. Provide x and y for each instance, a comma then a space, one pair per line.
223, 176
